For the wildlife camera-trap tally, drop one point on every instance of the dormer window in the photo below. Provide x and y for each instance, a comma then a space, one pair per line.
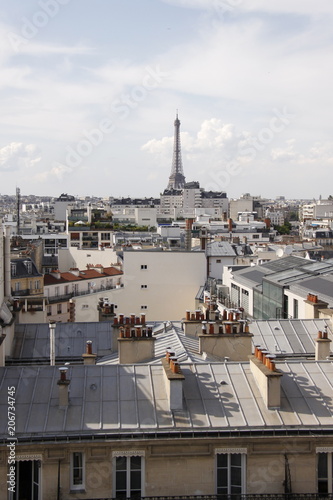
13, 269
28, 265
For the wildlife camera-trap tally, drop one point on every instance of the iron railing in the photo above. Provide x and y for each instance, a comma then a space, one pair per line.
249, 496
66, 297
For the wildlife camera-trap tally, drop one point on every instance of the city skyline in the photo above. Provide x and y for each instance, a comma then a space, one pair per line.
89, 94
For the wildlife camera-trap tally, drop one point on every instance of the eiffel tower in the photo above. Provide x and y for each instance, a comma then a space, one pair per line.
176, 179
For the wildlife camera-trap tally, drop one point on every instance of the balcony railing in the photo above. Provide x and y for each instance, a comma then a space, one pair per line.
32, 292
66, 297
250, 496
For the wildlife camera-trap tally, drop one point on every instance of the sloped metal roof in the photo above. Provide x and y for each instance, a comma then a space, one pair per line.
117, 399
32, 340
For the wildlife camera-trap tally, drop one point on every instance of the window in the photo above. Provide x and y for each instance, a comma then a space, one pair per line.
36, 284
143, 266
230, 472
13, 269
59, 309
28, 266
295, 308
77, 471
49, 310
17, 287
325, 472
218, 261
255, 236
144, 286
128, 476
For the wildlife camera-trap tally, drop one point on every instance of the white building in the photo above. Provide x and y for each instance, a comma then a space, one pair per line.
161, 283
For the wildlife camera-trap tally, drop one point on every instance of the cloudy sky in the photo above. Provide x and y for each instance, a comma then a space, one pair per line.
90, 89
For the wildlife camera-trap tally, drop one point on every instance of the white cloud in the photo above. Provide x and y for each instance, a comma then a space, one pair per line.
57, 172
282, 6
16, 155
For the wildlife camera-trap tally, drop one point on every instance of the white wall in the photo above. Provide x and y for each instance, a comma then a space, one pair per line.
301, 304
172, 279
216, 268
73, 257
146, 217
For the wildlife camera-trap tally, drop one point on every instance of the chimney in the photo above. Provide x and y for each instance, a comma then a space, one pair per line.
230, 225
52, 327
56, 274
322, 350
75, 271
174, 379
63, 384
268, 223
135, 344
88, 357
267, 377
188, 234
99, 268
192, 322
312, 306
71, 310
226, 339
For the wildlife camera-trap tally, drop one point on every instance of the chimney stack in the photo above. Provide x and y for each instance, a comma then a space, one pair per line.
312, 306
135, 343
88, 357
322, 345
174, 380
52, 327
267, 377
63, 384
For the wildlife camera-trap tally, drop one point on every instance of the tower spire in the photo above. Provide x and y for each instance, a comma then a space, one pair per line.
176, 179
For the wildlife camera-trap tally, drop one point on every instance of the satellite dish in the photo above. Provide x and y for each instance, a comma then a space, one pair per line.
288, 250
279, 252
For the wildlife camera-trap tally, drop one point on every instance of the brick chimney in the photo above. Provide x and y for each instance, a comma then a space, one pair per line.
63, 384
322, 350
312, 306
135, 343
88, 357
228, 339
267, 377
174, 379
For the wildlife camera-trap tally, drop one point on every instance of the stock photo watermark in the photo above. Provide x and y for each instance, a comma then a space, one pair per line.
222, 7
30, 27
11, 446
121, 109
255, 144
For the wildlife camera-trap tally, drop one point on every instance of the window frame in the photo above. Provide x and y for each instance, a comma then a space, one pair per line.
328, 451
128, 455
80, 486
229, 452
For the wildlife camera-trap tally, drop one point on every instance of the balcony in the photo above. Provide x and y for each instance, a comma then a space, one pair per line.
250, 496
66, 297
27, 292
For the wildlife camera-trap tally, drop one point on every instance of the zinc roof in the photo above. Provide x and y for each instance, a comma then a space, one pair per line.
116, 399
